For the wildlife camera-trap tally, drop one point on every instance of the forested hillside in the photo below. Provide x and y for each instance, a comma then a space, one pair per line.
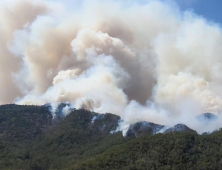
31, 140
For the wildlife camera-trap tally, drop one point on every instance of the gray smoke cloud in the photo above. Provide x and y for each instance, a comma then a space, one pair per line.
149, 62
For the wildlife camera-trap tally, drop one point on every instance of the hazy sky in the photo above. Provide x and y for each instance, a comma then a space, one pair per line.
210, 9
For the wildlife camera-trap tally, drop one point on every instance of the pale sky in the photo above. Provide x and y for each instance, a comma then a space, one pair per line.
210, 9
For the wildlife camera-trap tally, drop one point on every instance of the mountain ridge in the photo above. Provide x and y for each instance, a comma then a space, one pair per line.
30, 139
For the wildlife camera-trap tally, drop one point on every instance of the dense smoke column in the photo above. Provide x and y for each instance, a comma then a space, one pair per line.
147, 62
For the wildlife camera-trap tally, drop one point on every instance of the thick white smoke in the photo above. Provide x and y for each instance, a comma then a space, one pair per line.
148, 62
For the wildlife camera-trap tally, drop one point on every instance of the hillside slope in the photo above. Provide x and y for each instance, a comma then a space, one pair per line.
31, 140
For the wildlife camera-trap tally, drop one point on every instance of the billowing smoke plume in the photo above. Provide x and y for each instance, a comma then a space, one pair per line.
148, 62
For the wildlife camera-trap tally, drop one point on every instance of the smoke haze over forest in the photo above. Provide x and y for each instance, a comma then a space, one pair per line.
144, 62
